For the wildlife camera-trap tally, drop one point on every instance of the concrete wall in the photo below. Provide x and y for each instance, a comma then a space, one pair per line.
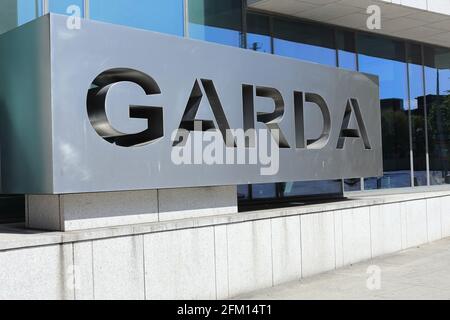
216, 258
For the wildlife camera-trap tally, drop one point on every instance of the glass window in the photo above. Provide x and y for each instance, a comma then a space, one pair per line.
437, 104
28, 10
14, 13
243, 192
162, 16
386, 58
416, 105
345, 43
62, 6
217, 21
264, 191
352, 184
311, 188
304, 41
258, 30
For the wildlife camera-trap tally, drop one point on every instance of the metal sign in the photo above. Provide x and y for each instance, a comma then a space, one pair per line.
109, 108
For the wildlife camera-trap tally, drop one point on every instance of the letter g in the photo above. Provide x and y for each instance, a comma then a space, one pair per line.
96, 108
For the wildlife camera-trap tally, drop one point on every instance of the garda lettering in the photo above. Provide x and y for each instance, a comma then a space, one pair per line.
96, 108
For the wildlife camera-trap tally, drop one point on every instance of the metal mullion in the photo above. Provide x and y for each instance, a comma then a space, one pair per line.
45, 7
355, 34
186, 18
244, 25
272, 46
335, 31
86, 8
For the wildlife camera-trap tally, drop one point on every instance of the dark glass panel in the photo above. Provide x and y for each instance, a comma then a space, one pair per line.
303, 32
264, 191
304, 41
345, 43
258, 30
243, 192
352, 184
14, 13
385, 58
381, 47
437, 84
216, 21
258, 24
418, 131
311, 188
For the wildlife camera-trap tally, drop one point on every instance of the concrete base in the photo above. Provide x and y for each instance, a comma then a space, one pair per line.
70, 212
216, 257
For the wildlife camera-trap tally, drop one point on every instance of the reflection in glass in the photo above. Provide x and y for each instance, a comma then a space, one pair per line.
437, 103
418, 132
258, 42
243, 192
28, 10
216, 21
264, 191
258, 30
14, 13
304, 52
352, 184
62, 6
311, 188
214, 34
304, 41
345, 43
162, 16
386, 58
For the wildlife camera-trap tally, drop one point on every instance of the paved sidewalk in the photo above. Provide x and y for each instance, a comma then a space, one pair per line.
419, 273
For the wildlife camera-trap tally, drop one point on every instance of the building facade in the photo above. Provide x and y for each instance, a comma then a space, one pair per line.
410, 53
414, 75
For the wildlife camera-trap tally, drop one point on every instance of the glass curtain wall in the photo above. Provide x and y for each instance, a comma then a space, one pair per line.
304, 41
386, 58
66, 6
346, 50
416, 140
162, 16
14, 13
258, 33
437, 105
216, 21
417, 114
